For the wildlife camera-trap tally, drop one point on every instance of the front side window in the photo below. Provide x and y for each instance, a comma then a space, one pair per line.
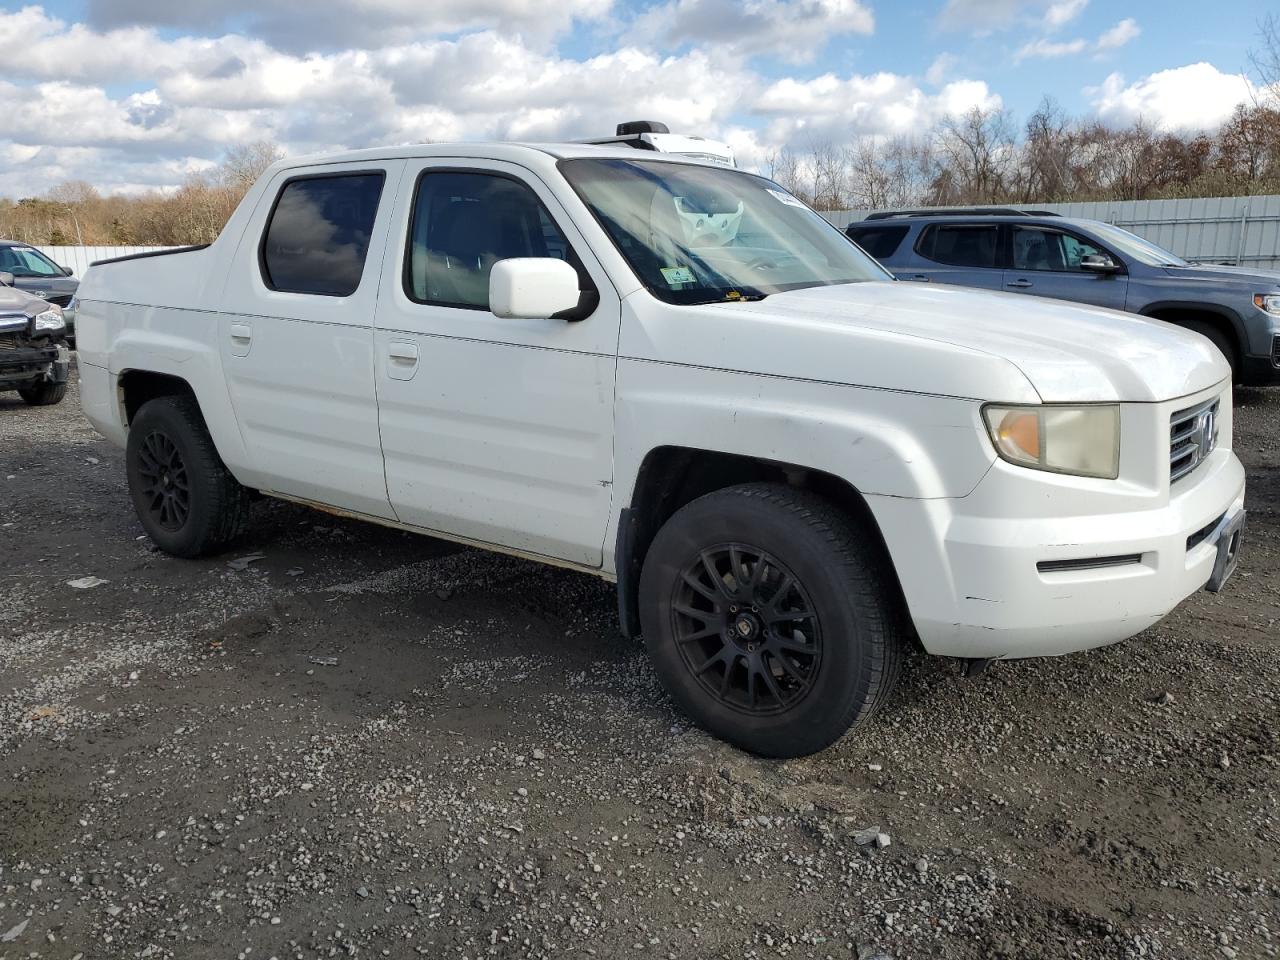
27, 262
961, 245
317, 237
696, 234
1035, 248
463, 223
1130, 244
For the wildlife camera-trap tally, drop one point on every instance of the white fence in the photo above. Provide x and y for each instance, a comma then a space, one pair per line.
79, 258
1244, 231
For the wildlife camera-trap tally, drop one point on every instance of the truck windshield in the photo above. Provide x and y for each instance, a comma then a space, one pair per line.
1144, 251
697, 234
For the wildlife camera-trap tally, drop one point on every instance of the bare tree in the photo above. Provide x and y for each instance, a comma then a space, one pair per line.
245, 162
1266, 59
979, 154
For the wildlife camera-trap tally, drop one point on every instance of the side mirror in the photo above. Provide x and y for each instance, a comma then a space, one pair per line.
532, 288
1097, 263
6, 279
66, 271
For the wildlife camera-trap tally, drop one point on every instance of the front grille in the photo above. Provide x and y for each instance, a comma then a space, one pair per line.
61, 299
1193, 433
1275, 351
8, 341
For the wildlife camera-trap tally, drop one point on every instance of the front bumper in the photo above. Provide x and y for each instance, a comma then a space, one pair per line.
1264, 370
1028, 566
20, 366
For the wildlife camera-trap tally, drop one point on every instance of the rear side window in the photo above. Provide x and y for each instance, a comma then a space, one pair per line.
317, 236
464, 223
880, 242
960, 245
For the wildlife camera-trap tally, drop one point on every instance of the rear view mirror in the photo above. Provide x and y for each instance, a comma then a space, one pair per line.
1097, 263
66, 271
532, 288
6, 279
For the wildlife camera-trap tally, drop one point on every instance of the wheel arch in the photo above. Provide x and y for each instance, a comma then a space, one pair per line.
1223, 318
671, 476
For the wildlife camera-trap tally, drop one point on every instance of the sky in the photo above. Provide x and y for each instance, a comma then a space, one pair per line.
133, 95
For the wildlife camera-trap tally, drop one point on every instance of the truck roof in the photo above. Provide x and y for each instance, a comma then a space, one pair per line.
489, 150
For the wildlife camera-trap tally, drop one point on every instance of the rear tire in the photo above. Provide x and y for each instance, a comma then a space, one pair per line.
43, 394
188, 502
770, 618
1219, 339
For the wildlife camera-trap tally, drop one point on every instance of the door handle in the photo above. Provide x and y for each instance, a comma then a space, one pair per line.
404, 352
402, 359
1020, 284
241, 339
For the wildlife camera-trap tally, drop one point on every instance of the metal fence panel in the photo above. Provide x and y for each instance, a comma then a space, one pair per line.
1243, 231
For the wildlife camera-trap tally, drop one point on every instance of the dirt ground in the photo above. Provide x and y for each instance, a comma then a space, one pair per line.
369, 744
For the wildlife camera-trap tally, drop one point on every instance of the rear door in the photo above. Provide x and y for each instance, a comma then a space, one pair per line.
296, 334
965, 254
1046, 263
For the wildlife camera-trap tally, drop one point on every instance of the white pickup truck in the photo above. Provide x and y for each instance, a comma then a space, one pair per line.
676, 376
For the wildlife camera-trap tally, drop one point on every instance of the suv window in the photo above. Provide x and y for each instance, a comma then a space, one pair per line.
960, 245
464, 223
317, 236
880, 242
1039, 248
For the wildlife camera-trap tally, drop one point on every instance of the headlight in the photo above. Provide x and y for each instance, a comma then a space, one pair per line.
1268, 303
50, 319
1083, 441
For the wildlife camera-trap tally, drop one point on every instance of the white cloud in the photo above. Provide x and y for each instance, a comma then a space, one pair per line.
882, 104
980, 16
1063, 12
794, 30
307, 25
1191, 98
942, 65
1124, 31
1047, 49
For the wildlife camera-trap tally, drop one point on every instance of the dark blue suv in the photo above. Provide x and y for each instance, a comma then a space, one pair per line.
1086, 261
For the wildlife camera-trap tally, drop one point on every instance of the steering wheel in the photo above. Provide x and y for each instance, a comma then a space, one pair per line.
769, 261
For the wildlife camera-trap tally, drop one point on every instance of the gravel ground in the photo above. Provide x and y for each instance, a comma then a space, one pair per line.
368, 744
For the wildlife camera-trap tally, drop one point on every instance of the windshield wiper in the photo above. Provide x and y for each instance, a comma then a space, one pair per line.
737, 297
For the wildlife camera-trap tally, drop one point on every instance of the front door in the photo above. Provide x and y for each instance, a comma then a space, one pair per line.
499, 431
1046, 263
296, 335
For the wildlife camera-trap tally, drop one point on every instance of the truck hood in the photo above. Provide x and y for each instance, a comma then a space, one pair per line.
1069, 353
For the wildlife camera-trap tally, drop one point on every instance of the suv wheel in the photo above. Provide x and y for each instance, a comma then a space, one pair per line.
43, 394
768, 619
187, 500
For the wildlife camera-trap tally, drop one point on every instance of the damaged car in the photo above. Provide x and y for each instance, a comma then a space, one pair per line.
34, 356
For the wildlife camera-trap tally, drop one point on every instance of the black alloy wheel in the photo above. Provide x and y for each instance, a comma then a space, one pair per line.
165, 488
747, 629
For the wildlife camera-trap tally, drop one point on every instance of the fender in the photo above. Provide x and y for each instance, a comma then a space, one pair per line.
883, 443
1199, 306
161, 344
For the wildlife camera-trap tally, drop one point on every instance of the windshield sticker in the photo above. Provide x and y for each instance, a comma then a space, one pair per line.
675, 276
788, 199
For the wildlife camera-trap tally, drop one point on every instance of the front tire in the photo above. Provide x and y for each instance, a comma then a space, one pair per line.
770, 618
43, 394
189, 503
